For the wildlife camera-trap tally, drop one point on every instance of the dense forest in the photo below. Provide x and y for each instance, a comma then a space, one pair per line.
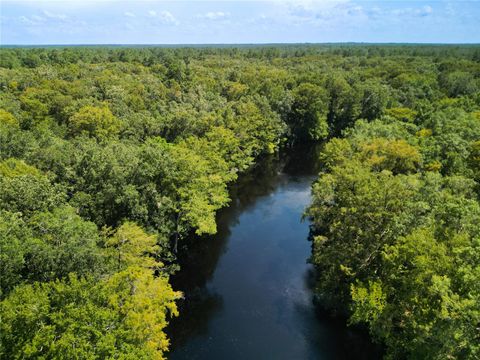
110, 157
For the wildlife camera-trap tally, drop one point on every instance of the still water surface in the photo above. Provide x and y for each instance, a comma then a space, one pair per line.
248, 289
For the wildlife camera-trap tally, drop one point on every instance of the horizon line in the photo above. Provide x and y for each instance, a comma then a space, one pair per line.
241, 44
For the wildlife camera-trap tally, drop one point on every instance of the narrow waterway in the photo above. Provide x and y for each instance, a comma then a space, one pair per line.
248, 289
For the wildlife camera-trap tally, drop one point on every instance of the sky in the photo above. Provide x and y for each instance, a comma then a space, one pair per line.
229, 21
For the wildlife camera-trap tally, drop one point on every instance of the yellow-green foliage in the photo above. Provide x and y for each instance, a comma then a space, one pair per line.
134, 247
234, 90
423, 133
402, 113
369, 301
203, 192
395, 155
94, 121
122, 316
336, 151
476, 114
8, 119
15, 167
433, 166
144, 302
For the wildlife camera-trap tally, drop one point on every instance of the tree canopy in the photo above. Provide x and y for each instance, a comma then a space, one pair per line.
111, 156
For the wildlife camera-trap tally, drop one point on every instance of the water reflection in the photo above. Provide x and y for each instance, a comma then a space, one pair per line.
198, 256
248, 289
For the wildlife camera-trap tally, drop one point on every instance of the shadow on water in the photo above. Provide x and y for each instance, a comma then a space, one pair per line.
349, 342
248, 289
198, 256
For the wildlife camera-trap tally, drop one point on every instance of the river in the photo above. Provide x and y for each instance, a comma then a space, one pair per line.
248, 289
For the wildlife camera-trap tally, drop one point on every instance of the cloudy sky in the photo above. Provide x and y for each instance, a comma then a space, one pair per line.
194, 22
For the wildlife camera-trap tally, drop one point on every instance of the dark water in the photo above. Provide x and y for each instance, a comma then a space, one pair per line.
248, 289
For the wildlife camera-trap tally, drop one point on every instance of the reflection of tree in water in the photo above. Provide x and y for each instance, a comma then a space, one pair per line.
332, 337
303, 160
198, 256
195, 312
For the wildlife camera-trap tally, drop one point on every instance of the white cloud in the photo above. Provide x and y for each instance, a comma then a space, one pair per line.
315, 12
38, 18
301, 9
50, 20
51, 15
26, 20
450, 10
32, 20
423, 11
262, 20
215, 15
129, 14
165, 17
426, 10
321, 13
